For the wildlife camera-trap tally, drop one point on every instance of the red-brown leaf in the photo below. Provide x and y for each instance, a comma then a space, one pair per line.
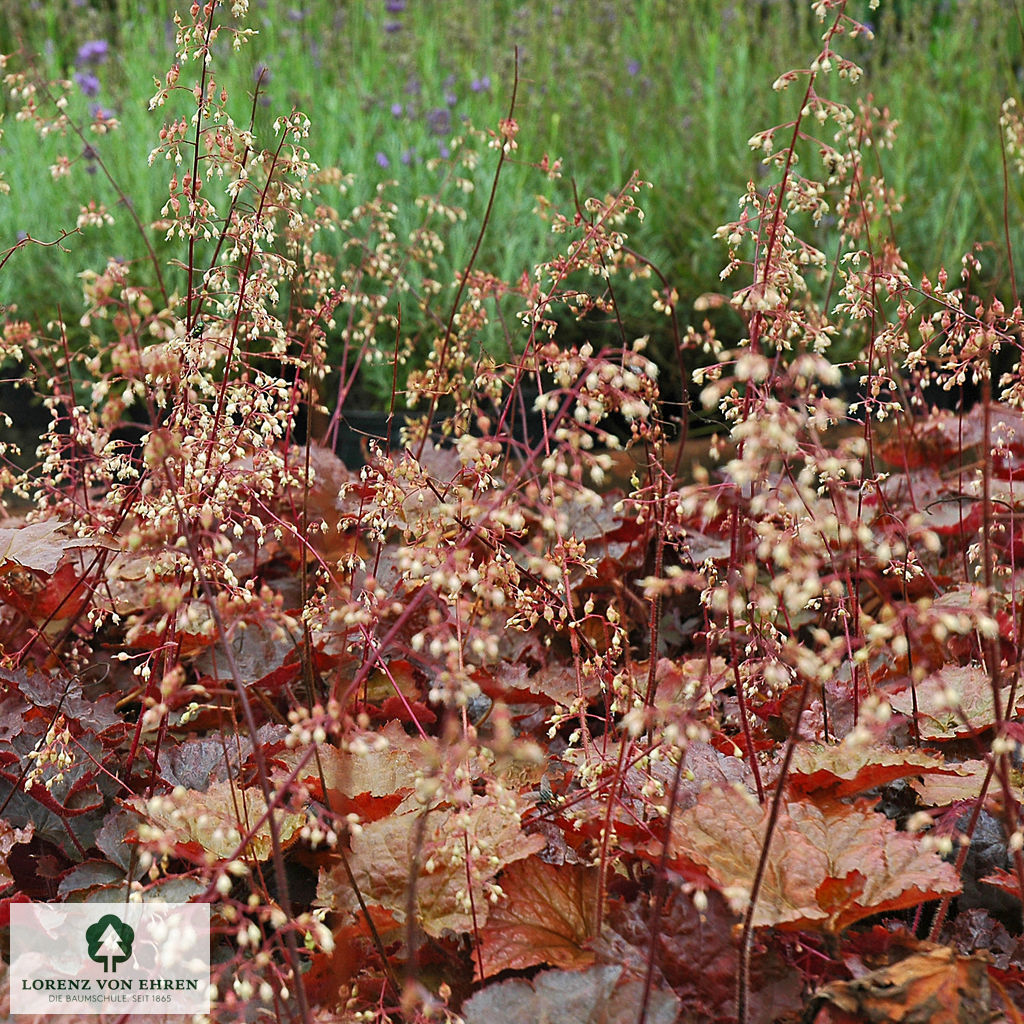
826, 868
1005, 881
598, 995
384, 852
972, 711
40, 546
962, 782
9, 838
935, 986
844, 769
696, 952
546, 917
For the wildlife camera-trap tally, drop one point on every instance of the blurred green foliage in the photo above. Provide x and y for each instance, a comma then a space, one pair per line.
672, 89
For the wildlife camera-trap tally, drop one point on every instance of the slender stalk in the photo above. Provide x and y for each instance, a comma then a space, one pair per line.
774, 812
450, 326
660, 893
197, 137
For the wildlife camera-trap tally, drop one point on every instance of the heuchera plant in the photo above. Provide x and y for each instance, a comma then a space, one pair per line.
466, 732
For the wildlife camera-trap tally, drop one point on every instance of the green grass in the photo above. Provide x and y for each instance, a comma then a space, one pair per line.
673, 90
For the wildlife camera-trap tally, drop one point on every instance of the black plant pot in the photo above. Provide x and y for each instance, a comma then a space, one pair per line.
358, 427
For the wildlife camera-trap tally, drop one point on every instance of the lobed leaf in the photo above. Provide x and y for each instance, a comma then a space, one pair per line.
600, 995
955, 701
545, 917
216, 820
460, 852
845, 769
826, 868
40, 546
935, 986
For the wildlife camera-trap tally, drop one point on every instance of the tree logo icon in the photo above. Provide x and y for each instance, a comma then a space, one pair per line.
110, 942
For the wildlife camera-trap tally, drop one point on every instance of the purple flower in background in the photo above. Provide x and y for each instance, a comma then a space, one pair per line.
396, 109
391, 27
261, 76
87, 82
407, 156
439, 121
481, 84
443, 150
450, 98
633, 67
294, 14
92, 52
395, 6
95, 110
382, 159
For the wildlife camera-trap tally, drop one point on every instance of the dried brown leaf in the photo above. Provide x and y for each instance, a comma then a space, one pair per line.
373, 767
